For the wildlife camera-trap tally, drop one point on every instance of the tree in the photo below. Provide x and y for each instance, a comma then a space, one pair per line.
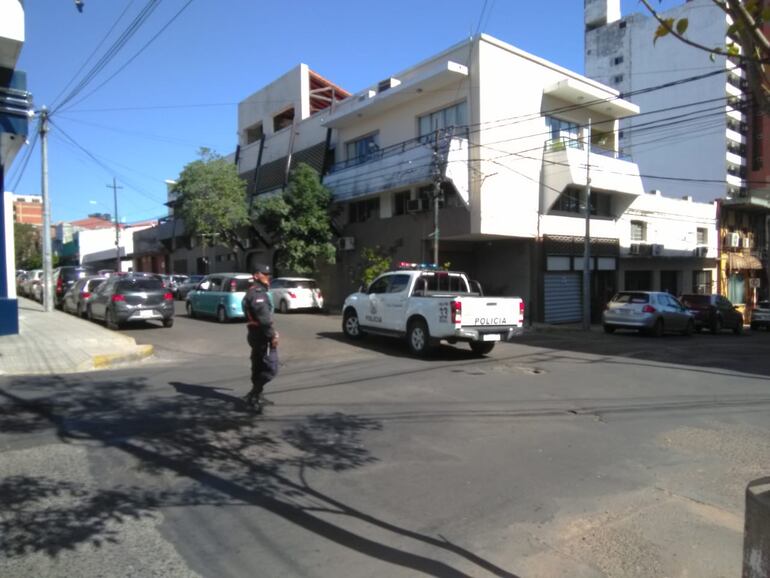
299, 222
212, 202
751, 45
28, 251
374, 262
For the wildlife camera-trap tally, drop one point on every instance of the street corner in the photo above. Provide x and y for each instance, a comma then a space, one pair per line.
111, 360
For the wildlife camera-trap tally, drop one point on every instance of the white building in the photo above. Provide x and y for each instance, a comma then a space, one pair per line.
505, 130
692, 137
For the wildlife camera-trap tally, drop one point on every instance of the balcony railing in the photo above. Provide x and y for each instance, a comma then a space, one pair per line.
560, 144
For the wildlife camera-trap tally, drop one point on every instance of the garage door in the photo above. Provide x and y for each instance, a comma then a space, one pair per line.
562, 298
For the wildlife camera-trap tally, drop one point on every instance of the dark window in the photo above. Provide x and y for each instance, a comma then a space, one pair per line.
701, 282
570, 202
92, 284
282, 120
638, 280
398, 283
254, 133
305, 284
380, 285
361, 211
440, 281
399, 202
139, 284
617, 60
631, 298
240, 284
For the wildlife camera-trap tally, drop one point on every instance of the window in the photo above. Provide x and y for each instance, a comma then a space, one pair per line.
617, 79
452, 116
284, 119
361, 149
361, 211
562, 129
398, 283
638, 231
400, 200
380, 285
703, 236
617, 60
254, 133
571, 201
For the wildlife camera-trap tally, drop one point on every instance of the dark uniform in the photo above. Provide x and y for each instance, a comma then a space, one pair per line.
258, 307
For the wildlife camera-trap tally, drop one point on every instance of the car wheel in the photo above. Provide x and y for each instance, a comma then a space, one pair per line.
658, 329
89, 314
418, 338
109, 321
716, 326
738, 327
689, 328
609, 329
168, 322
221, 315
283, 307
190, 311
80, 310
482, 347
350, 326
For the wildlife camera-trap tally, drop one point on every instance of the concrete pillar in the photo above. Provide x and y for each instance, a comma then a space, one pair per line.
756, 535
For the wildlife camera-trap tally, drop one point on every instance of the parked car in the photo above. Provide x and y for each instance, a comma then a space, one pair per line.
33, 277
21, 277
126, 299
174, 281
760, 316
63, 278
713, 312
654, 312
76, 299
184, 288
290, 293
220, 295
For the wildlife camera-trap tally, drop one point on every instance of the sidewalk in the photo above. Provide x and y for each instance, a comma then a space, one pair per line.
57, 342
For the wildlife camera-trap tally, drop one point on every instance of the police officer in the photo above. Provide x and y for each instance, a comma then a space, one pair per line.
262, 336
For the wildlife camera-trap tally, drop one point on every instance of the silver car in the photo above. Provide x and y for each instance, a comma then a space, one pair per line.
654, 312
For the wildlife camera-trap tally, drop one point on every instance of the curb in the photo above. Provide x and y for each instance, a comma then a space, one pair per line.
108, 360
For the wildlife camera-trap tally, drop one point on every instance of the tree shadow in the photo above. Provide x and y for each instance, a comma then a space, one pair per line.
228, 456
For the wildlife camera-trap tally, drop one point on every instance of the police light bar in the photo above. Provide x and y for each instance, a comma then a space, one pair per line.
417, 266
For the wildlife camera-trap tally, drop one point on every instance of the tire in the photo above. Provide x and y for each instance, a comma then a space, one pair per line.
89, 314
109, 321
190, 311
168, 322
283, 306
738, 328
418, 338
698, 329
222, 315
482, 347
716, 326
658, 329
689, 328
350, 326
609, 329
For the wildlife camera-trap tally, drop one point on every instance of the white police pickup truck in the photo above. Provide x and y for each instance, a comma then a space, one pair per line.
427, 305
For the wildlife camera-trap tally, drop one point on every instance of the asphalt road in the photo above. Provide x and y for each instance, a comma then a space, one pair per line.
562, 454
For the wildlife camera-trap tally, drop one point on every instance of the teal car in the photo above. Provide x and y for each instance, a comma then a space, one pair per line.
219, 295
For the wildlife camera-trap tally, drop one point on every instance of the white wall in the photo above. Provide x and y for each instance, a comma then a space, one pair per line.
10, 252
99, 244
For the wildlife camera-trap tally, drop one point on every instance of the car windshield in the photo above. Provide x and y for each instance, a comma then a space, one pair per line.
304, 284
632, 298
696, 300
195, 279
72, 274
139, 284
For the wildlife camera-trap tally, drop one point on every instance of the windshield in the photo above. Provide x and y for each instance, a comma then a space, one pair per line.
695, 300
240, 284
139, 284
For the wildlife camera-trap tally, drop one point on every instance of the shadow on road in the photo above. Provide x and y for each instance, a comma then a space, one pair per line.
230, 457
396, 347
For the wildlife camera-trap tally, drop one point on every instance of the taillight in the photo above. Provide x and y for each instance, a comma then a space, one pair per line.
292, 294
318, 292
59, 285
117, 297
168, 296
521, 308
457, 312
85, 295
648, 309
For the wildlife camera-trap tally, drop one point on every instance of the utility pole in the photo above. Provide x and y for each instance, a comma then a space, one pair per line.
436, 176
587, 239
115, 188
47, 269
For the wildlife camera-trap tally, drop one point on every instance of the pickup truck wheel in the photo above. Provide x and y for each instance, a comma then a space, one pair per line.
418, 338
350, 326
482, 347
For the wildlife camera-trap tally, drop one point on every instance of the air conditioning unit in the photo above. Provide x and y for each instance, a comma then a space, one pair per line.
346, 243
733, 240
656, 250
415, 205
635, 249
701, 251
746, 242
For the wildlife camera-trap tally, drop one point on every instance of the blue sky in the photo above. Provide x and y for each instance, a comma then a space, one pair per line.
181, 91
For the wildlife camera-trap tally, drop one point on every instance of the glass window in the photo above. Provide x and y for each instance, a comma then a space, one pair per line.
555, 263
563, 130
398, 283
400, 200
701, 282
452, 116
139, 284
702, 236
302, 284
380, 285
361, 149
361, 211
240, 284
631, 298
736, 288
638, 231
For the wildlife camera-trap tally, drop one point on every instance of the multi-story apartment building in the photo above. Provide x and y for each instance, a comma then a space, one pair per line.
28, 209
15, 104
504, 133
700, 135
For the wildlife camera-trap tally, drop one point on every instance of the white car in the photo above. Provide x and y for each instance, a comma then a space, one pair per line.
290, 293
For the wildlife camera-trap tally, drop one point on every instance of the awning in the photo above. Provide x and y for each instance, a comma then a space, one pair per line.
738, 261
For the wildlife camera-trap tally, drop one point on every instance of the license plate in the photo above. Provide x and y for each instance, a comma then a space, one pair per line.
491, 337
145, 313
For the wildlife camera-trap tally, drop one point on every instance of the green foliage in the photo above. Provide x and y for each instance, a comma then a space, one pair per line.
28, 249
299, 222
374, 262
212, 201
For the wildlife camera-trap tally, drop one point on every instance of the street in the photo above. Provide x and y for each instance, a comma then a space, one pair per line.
560, 454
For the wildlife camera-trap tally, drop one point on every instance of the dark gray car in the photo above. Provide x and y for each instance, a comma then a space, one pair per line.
128, 299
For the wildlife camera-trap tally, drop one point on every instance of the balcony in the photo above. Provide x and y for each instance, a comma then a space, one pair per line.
400, 166
564, 165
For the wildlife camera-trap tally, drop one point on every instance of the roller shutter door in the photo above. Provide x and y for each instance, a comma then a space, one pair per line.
562, 298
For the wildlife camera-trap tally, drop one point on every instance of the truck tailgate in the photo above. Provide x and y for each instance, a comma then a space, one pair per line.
492, 312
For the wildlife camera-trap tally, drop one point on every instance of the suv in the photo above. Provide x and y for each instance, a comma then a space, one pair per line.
296, 293
220, 295
713, 312
124, 299
63, 279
